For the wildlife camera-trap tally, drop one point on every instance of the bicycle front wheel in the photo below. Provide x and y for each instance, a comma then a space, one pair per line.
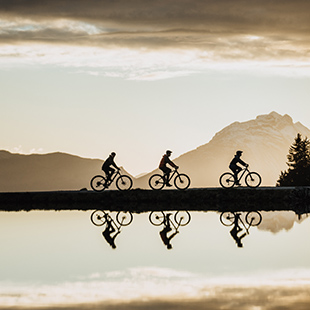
182, 218
157, 218
182, 181
156, 182
253, 179
227, 180
124, 218
124, 183
253, 218
227, 218
97, 183
98, 218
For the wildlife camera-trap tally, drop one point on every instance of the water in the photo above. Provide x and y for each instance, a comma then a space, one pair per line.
61, 259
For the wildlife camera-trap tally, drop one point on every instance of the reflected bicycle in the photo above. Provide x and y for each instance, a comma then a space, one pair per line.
99, 218
181, 218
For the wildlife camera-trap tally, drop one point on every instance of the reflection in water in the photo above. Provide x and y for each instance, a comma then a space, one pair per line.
252, 218
112, 228
157, 218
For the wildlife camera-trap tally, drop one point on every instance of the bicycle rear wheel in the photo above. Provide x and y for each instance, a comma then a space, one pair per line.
124, 183
182, 181
227, 180
182, 218
253, 179
253, 218
157, 218
227, 218
97, 183
124, 218
156, 182
98, 217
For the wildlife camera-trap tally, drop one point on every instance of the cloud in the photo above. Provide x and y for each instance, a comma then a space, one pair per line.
272, 32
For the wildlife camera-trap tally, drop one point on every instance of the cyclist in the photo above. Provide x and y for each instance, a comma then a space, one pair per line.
235, 231
235, 168
163, 233
106, 167
163, 167
109, 230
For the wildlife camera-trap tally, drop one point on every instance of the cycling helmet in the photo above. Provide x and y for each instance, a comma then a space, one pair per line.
239, 153
168, 152
113, 153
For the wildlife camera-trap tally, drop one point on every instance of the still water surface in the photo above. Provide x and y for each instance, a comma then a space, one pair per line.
61, 258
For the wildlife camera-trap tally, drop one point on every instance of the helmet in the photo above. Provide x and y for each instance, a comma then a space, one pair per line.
168, 152
239, 153
113, 153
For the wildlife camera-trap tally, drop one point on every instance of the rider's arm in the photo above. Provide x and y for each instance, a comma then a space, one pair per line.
171, 163
242, 162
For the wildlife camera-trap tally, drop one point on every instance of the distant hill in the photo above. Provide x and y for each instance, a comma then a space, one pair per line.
44, 172
264, 141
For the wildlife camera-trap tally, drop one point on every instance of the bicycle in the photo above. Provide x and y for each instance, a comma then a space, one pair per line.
181, 180
252, 218
99, 218
99, 183
181, 218
252, 179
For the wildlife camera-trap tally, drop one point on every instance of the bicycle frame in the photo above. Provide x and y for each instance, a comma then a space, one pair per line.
244, 170
114, 175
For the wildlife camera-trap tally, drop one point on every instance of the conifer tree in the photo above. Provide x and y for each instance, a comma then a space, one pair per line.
298, 173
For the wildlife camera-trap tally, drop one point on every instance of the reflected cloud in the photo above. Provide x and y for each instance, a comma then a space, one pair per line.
280, 220
162, 288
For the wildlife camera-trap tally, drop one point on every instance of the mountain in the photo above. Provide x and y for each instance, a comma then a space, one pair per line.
45, 172
265, 142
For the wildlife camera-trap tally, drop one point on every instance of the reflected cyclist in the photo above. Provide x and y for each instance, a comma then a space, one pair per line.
163, 233
109, 230
236, 230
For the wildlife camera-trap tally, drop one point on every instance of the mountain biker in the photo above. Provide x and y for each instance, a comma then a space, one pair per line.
163, 167
235, 168
109, 230
106, 167
163, 233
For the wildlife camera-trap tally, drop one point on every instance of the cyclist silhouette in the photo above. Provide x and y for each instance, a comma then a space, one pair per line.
163, 167
163, 233
236, 230
109, 230
106, 167
234, 167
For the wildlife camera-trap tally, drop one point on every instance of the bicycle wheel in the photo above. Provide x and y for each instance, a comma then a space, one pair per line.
182, 218
156, 182
124, 183
253, 218
227, 218
98, 217
157, 218
182, 181
227, 180
97, 183
253, 179
124, 218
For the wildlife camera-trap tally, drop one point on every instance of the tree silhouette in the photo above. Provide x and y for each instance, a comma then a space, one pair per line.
298, 173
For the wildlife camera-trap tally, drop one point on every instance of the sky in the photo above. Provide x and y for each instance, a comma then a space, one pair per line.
92, 77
